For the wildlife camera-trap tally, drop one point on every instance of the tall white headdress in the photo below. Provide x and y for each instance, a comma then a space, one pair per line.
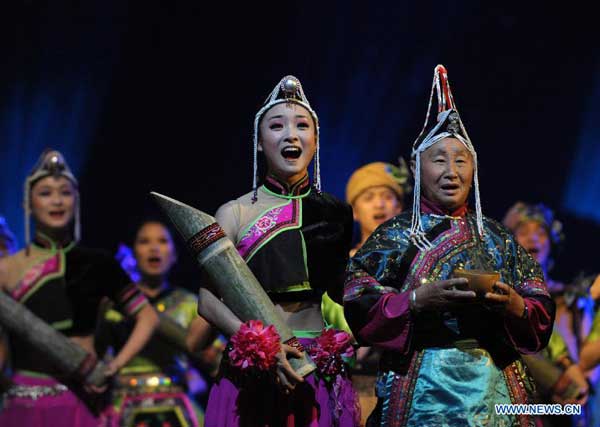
449, 125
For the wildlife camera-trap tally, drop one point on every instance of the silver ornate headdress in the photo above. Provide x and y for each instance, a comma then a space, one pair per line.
288, 90
50, 163
449, 125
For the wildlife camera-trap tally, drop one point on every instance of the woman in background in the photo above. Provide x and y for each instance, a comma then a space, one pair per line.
62, 283
539, 233
161, 375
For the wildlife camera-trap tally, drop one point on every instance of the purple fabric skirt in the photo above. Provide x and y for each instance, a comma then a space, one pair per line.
61, 410
313, 403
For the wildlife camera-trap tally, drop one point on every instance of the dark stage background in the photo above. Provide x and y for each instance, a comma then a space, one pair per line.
161, 95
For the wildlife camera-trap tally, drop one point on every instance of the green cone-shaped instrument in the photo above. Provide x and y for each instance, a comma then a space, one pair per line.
229, 273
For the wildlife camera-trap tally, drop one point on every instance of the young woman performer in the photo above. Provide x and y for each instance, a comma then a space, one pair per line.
153, 385
295, 238
62, 283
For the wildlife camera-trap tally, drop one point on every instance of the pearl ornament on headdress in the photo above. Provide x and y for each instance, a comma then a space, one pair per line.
454, 125
289, 85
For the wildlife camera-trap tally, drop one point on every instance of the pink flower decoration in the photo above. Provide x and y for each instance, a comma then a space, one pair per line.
265, 223
255, 346
329, 351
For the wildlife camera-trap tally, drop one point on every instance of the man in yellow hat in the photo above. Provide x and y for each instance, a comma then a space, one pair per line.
376, 192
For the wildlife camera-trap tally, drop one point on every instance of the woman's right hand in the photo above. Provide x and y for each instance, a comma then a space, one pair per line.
442, 295
286, 376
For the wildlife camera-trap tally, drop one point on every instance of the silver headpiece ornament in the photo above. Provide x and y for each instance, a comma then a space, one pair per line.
449, 125
50, 163
288, 90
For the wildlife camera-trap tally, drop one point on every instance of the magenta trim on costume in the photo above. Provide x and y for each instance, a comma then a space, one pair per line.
537, 286
273, 221
135, 305
131, 299
354, 288
34, 275
457, 239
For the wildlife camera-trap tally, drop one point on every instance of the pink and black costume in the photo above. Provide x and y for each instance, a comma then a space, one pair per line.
63, 284
295, 240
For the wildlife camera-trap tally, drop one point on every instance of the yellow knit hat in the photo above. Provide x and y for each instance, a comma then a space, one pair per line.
376, 174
